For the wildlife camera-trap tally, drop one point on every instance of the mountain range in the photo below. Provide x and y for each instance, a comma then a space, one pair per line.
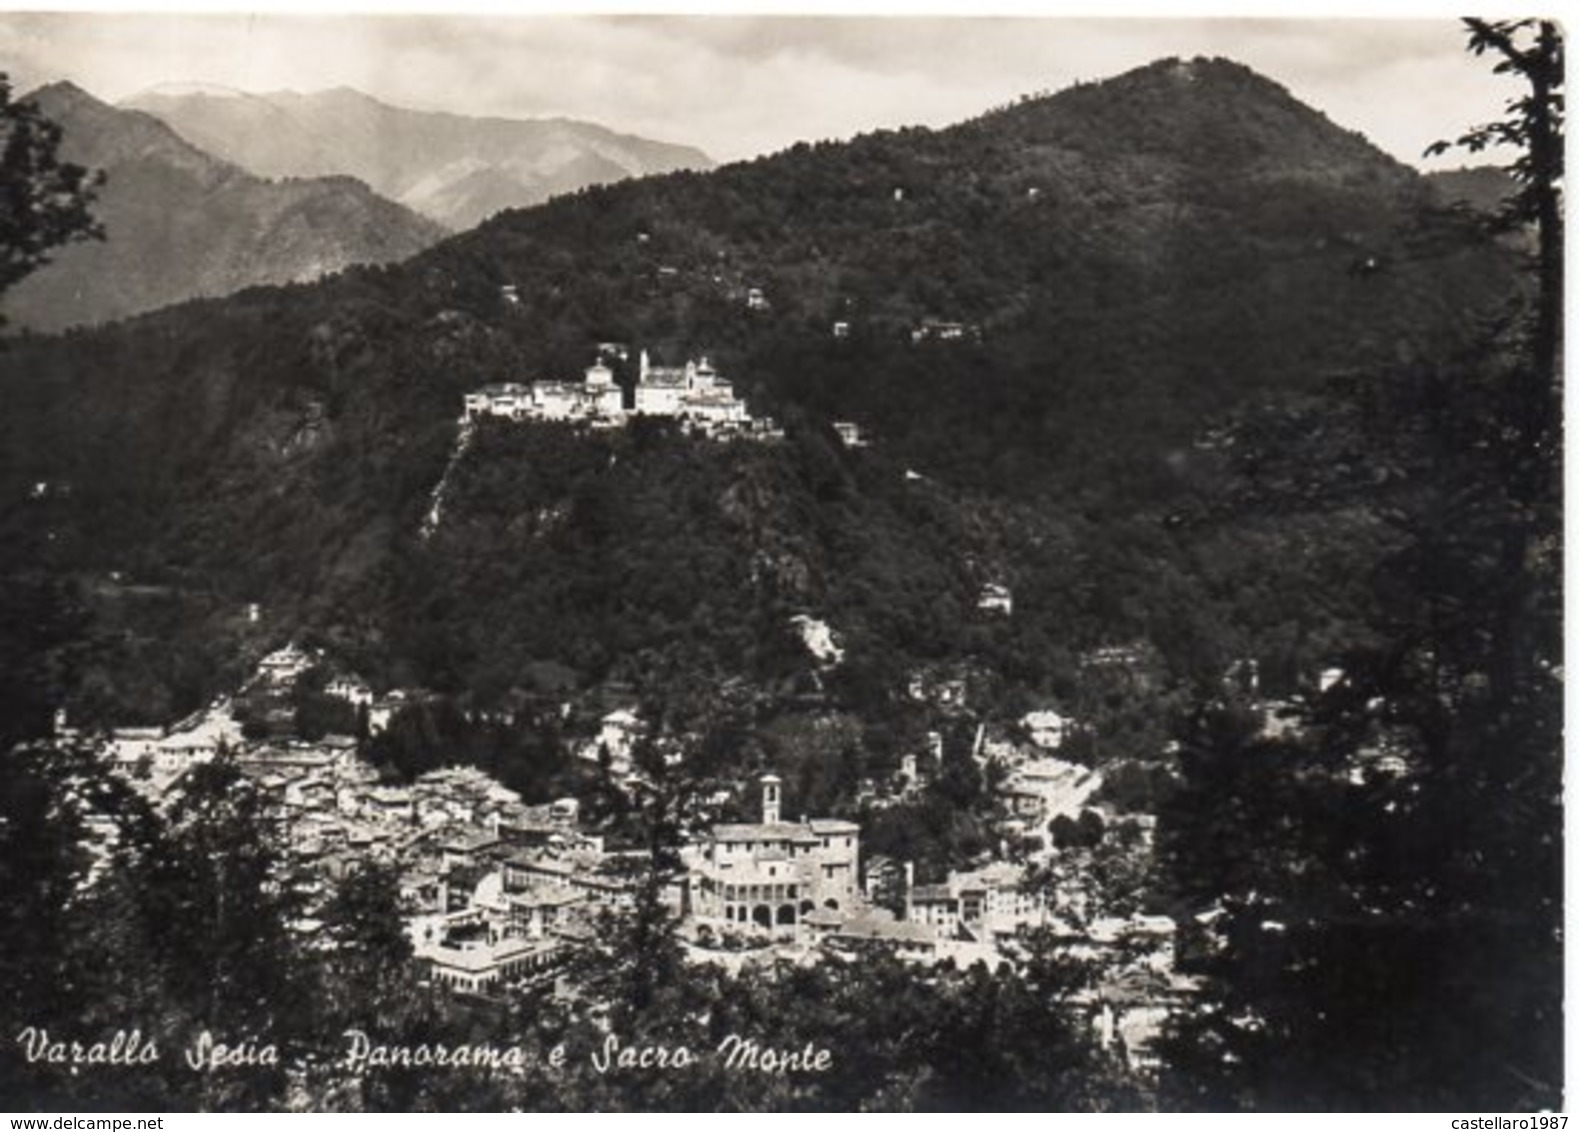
1129, 263
208, 191
454, 169
180, 223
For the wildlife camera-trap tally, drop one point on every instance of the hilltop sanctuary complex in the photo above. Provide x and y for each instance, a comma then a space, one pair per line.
695, 394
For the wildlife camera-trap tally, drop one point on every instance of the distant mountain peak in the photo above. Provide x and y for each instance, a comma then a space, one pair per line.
63, 92
1214, 116
181, 222
454, 168
190, 90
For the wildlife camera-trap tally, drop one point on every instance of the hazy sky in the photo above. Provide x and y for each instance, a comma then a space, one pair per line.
738, 86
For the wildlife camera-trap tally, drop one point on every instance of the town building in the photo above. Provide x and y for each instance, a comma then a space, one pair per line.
168, 752
129, 746
477, 965
884, 882
769, 875
1040, 789
877, 933
537, 912
983, 904
465, 847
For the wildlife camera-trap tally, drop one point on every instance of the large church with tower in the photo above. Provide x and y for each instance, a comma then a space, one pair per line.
770, 875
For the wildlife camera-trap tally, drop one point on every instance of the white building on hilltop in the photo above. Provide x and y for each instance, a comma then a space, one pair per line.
695, 394
695, 391
596, 398
508, 399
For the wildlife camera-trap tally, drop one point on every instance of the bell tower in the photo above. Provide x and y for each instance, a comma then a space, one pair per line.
770, 799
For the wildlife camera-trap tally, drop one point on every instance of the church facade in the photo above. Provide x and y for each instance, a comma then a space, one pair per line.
770, 875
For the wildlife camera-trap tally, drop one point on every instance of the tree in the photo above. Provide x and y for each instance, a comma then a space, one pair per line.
636, 956
1385, 879
41, 618
1533, 50
217, 901
369, 948
44, 202
42, 863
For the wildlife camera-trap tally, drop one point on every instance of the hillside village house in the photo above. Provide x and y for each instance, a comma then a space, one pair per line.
944, 330
617, 734
171, 751
1046, 787
284, 665
352, 689
876, 934
849, 434
1047, 729
995, 597
981, 904
771, 874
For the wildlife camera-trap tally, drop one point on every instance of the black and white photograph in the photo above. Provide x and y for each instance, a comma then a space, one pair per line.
780, 563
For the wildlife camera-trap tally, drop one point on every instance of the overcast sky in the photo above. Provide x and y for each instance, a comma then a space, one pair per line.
739, 86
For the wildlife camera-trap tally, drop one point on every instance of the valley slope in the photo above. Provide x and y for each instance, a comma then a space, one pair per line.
1130, 263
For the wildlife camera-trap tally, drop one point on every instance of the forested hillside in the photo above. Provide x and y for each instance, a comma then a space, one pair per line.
1130, 261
